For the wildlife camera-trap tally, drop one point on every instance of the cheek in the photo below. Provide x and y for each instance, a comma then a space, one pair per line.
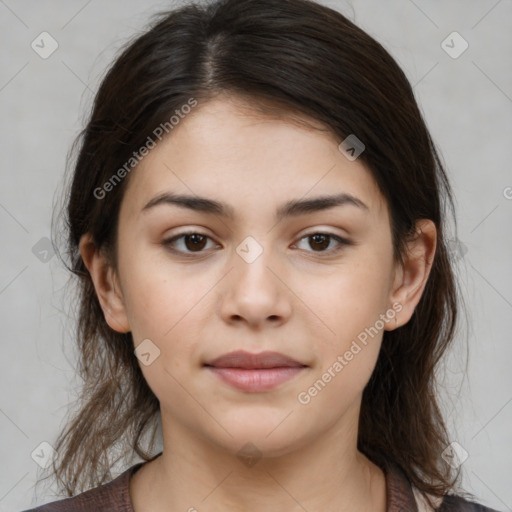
172, 320
169, 314
352, 298
347, 354
350, 304
155, 296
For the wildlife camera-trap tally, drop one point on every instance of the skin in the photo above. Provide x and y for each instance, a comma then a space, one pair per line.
299, 298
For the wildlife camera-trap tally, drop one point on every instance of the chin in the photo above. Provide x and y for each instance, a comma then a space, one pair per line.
254, 441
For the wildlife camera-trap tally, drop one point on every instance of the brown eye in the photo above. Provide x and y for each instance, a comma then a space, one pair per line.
320, 242
191, 242
195, 241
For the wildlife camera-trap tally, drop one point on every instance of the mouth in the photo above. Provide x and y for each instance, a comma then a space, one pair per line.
254, 372
249, 361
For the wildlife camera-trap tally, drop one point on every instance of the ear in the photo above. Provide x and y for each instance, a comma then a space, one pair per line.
411, 278
106, 285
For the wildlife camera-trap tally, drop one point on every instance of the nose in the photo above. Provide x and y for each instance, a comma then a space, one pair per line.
255, 291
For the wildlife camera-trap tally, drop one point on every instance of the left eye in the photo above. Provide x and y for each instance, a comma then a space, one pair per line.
322, 241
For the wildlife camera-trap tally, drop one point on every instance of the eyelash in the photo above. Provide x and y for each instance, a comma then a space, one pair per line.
341, 241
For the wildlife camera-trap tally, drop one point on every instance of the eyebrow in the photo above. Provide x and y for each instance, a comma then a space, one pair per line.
291, 208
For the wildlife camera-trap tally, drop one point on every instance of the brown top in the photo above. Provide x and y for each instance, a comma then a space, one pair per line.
115, 497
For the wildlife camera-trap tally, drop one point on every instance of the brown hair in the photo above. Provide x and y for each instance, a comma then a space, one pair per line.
298, 57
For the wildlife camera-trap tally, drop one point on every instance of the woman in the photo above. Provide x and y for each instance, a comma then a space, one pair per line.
257, 221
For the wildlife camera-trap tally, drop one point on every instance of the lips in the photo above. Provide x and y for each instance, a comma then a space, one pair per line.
254, 373
246, 360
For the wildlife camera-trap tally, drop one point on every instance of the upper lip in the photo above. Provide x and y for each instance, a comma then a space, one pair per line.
247, 360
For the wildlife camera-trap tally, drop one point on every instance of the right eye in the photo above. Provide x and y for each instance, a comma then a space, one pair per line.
192, 242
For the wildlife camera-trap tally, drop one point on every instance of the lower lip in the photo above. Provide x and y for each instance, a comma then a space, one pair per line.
256, 380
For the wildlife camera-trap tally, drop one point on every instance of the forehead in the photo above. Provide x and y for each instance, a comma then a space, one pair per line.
226, 150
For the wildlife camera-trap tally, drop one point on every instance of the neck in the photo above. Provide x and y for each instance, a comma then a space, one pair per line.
192, 475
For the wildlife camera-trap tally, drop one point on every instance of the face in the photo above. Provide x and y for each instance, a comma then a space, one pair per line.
316, 284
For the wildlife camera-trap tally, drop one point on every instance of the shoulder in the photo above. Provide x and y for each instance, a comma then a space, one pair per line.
458, 504
450, 503
113, 496
403, 495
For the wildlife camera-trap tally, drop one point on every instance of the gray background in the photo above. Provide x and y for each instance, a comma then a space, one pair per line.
467, 103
